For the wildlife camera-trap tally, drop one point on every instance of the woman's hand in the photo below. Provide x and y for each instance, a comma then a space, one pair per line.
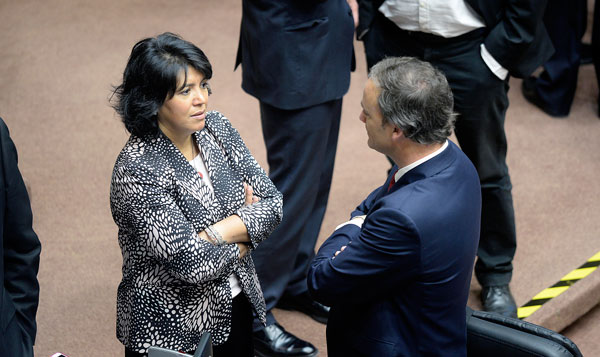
250, 198
243, 249
232, 229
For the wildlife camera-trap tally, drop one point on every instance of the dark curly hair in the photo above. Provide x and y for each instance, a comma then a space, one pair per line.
150, 77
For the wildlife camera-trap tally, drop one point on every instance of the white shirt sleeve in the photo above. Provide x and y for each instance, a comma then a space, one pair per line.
357, 221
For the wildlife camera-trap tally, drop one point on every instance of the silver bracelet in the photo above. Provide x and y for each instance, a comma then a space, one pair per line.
209, 238
215, 235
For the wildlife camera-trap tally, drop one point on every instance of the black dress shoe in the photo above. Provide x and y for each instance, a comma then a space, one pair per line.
275, 341
498, 299
530, 93
305, 304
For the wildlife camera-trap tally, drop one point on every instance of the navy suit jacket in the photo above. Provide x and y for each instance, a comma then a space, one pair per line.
19, 257
400, 287
296, 53
515, 33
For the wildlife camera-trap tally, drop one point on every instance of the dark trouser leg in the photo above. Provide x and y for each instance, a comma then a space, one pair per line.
306, 251
481, 101
566, 22
301, 146
13, 341
239, 342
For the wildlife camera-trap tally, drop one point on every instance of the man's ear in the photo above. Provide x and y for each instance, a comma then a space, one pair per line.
397, 134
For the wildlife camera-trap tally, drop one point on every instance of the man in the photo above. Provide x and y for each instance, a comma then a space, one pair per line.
296, 58
19, 258
397, 275
476, 44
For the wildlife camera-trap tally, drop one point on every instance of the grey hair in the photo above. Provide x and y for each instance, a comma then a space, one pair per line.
415, 97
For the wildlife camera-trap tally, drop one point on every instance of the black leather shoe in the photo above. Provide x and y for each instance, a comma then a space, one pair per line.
275, 341
305, 304
529, 92
498, 299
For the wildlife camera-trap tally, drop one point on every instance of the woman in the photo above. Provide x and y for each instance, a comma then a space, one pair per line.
190, 202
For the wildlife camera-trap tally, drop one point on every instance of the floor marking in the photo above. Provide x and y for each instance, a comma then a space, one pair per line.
560, 287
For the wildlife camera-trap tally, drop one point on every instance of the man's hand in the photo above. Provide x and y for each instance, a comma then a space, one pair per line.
339, 251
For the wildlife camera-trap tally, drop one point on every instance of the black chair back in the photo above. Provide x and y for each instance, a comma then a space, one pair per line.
490, 335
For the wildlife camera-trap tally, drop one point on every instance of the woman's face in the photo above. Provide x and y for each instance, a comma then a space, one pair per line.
184, 113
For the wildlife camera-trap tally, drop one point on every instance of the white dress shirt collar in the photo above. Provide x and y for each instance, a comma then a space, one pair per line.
407, 168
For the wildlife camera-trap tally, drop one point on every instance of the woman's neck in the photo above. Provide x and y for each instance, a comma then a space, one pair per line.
185, 144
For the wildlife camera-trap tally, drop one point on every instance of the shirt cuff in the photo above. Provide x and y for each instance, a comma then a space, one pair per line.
492, 64
357, 221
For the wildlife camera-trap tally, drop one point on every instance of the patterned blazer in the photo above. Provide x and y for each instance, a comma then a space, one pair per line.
175, 285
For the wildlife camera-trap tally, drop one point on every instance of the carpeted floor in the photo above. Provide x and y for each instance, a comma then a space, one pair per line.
59, 61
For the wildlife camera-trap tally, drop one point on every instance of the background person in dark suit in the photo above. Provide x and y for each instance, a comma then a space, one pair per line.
296, 59
397, 274
20, 258
554, 89
477, 44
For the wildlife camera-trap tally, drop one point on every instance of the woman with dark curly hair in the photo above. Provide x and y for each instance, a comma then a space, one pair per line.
190, 201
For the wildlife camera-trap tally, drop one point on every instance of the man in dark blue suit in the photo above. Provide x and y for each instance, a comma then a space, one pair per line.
478, 45
397, 275
19, 257
296, 59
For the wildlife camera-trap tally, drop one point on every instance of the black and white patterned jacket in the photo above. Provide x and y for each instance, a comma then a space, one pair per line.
175, 285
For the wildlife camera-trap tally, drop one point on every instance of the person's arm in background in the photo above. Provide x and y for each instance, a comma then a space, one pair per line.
367, 9
21, 245
510, 40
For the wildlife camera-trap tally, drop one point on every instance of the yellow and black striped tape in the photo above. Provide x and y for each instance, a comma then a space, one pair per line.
548, 294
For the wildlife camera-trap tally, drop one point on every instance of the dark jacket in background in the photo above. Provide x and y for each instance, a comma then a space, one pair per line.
294, 53
19, 257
